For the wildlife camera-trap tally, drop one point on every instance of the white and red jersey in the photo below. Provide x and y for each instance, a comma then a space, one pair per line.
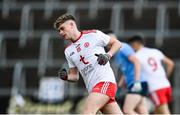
152, 68
81, 54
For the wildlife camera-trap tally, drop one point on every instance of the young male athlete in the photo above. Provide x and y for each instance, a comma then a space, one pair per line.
151, 67
86, 55
136, 85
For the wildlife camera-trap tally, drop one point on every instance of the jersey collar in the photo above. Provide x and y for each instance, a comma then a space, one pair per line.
78, 37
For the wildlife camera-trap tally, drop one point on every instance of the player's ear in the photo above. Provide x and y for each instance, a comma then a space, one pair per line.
72, 23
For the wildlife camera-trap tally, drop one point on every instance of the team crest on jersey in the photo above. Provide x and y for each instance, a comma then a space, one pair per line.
86, 44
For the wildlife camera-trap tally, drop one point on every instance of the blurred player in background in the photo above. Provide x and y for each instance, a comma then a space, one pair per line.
151, 67
86, 55
136, 85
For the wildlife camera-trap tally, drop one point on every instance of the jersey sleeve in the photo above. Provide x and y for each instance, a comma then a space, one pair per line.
103, 38
160, 54
70, 63
127, 50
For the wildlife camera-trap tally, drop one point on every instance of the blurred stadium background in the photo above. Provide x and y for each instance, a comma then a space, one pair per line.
31, 52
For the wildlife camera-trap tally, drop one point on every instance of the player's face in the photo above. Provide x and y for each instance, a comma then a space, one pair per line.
65, 30
135, 46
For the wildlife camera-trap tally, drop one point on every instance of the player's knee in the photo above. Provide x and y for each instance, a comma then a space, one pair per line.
162, 109
126, 110
143, 110
90, 110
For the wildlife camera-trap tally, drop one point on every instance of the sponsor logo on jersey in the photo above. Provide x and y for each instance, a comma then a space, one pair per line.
72, 53
87, 69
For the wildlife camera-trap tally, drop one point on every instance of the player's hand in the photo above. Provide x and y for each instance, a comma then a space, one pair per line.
103, 58
62, 73
136, 87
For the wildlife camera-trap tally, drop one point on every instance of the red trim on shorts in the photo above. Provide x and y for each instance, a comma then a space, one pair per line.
161, 96
107, 88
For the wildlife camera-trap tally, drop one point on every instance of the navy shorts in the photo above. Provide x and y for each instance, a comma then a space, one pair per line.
143, 92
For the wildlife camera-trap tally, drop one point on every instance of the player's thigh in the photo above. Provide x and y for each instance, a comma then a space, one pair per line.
111, 108
131, 101
96, 100
142, 106
161, 96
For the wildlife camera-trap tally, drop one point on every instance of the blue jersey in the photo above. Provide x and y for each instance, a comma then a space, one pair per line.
127, 67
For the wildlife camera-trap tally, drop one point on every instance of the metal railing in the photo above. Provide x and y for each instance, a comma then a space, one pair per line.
19, 82
116, 19
2, 50
138, 8
45, 54
176, 88
48, 9
116, 23
45, 60
26, 27
160, 25
6, 6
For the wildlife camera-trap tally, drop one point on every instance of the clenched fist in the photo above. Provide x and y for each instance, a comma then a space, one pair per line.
103, 58
62, 73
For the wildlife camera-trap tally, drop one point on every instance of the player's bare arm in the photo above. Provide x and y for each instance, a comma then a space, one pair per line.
121, 82
137, 67
73, 74
137, 83
169, 65
113, 45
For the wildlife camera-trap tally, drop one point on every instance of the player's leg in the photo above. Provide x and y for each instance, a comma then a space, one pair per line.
161, 98
100, 95
111, 108
142, 107
94, 102
131, 102
162, 109
132, 99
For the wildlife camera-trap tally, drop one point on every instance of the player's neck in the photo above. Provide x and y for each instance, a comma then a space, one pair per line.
140, 47
76, 36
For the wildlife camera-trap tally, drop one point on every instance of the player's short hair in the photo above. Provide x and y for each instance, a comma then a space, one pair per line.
136, 38
63, 18
107, 31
